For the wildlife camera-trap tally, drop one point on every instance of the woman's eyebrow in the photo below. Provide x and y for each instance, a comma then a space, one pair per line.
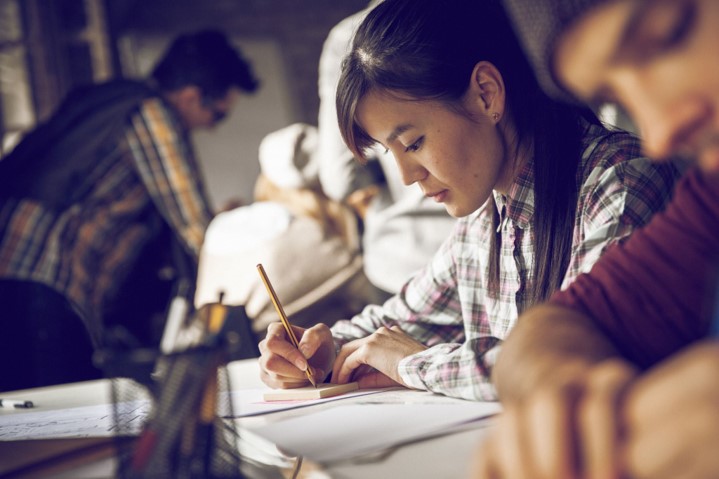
398, 131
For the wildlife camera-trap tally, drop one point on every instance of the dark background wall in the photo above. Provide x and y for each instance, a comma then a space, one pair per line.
298, 26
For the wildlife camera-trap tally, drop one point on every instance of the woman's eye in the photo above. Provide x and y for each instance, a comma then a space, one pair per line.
682, 25
415, 146
667, 26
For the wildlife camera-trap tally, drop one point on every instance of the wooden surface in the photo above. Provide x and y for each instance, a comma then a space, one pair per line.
309, 392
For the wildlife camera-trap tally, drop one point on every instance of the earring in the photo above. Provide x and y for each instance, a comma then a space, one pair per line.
495, 116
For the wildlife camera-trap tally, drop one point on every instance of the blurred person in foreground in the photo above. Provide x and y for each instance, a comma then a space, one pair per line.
618, 375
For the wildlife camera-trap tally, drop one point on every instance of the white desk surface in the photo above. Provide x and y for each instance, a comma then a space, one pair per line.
446, 456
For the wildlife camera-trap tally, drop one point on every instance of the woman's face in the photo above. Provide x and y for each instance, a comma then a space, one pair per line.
659, 60
456, 160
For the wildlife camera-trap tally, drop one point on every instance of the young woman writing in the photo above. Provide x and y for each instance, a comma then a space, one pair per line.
542, 189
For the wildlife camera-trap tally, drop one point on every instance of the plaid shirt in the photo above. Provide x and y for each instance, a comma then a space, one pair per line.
84, 250
447, 306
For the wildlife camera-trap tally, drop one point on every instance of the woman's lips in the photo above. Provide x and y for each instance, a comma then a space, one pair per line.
438, 196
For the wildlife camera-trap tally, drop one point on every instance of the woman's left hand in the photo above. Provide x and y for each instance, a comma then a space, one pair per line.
381, 352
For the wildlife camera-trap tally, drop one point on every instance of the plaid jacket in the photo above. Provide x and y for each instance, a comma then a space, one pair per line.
447, 305
147, 178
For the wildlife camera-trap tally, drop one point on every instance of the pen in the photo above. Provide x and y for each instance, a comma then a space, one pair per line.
283, 316
16, 403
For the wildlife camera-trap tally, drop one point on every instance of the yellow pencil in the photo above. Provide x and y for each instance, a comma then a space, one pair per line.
283, 316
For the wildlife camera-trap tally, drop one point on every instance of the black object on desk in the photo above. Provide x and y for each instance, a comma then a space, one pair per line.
16, 403
186, 434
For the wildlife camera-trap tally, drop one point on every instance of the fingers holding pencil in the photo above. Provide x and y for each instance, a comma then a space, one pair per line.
317, 344
281, 363
285, 322
283, 366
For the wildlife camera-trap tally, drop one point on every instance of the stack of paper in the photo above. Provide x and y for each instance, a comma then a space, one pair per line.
355, 429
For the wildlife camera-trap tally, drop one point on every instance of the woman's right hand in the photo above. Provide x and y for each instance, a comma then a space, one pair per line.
283, 366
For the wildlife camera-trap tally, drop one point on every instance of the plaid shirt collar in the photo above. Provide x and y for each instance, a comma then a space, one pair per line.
518, 205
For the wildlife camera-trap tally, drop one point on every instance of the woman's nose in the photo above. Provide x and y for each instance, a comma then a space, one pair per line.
410, 171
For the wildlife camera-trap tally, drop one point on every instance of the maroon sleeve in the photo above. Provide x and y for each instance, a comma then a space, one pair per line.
651, 295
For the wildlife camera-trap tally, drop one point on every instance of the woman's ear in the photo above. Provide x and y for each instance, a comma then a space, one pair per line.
486, 89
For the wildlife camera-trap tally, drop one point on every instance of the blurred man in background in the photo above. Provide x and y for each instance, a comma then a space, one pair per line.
103, 210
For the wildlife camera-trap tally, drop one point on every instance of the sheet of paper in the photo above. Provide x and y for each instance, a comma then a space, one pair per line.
250, 402
98, 421
85, 421
351, 430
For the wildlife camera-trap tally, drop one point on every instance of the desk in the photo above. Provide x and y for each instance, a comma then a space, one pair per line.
446, 456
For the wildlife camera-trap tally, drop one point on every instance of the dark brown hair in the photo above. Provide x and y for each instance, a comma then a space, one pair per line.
205, 59
427, 50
